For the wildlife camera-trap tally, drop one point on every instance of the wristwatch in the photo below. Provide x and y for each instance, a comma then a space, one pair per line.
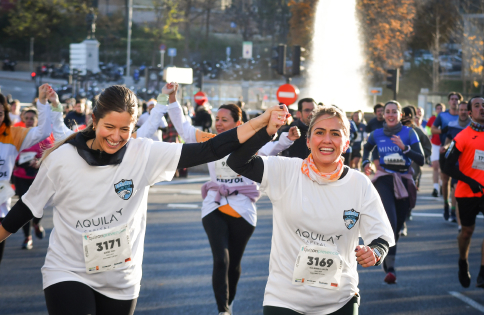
377, 254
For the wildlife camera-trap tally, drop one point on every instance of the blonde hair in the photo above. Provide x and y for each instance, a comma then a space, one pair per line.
115, 98
331, 111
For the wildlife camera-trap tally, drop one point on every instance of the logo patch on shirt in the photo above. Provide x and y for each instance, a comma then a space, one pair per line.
350, 217
124, 188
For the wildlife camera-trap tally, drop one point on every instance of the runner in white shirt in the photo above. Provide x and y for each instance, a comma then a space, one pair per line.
15, 139
229, 213
145, 117
321, 208
97, 181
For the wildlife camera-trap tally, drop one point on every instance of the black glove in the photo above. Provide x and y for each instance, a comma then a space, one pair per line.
444, 130
475, 186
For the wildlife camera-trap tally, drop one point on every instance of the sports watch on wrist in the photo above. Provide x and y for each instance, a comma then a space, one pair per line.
377, 254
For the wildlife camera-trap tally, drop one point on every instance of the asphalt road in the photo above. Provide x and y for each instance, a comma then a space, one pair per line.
177, 264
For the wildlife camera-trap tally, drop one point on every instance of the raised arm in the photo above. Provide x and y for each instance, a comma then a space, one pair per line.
155, 119
44, 127
229, 141
59, 129
177, 117
286, 139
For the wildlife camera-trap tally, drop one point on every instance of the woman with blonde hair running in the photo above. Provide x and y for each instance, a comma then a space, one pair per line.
320, 209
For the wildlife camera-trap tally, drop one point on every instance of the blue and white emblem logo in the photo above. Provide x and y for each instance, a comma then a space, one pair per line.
350, 217
124, 188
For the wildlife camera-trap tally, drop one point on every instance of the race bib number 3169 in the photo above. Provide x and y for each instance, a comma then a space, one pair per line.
106, 249
318, 266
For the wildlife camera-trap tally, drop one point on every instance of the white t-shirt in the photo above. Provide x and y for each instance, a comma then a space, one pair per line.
85, 199
222, 174
305, 212
156, 136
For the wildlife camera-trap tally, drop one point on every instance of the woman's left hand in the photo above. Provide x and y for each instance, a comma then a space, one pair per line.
396, 139
365, 256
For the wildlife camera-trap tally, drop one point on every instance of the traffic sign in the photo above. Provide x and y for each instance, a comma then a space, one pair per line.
375, 91
201, 98
287, 94
162, 47
171, 52
247, 50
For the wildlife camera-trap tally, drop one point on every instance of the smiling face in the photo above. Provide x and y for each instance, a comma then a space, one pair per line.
112, 131
392, 115
327, 141
477, 110
224, 121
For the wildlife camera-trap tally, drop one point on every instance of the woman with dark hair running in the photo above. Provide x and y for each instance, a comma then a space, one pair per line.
397, 146
97, 181
229, 213
317, 222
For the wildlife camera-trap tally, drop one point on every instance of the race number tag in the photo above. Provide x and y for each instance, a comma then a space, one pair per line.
107, 249
25, 157
478, 163
318, 266
224, 173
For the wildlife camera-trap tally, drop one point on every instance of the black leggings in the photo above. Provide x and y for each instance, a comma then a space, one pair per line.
396, 210
350, 308
75, 298
228, 237
22, 185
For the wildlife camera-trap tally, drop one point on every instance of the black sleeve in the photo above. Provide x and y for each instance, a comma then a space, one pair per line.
212, 150
17, 217
382, 247
244, 160
452, 169
367, 148
416, 153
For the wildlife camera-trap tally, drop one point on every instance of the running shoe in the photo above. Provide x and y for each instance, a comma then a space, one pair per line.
435, 193
403, 231
452, 217
390, 278
464, 275
27, 244
480, 281
446, 211
39, 231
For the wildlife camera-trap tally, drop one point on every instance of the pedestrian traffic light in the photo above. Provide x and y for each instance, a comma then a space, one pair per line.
393, 81
199, 80
297, 60
279, 59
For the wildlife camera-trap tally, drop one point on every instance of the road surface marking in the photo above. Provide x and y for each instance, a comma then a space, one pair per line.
185, 181
435, 215
176, 191
183, 206
467, 300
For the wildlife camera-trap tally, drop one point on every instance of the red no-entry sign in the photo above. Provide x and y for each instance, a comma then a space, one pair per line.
287, 94
201, 98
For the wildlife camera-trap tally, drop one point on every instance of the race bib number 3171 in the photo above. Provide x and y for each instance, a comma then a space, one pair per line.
106, 249
318, 266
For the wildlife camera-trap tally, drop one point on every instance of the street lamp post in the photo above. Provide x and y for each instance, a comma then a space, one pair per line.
130, 21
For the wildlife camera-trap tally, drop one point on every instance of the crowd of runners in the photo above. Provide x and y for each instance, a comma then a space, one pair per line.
305, 161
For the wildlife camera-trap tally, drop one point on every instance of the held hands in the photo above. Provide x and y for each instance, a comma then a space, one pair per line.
365, 256
274, 117
396, 139
53, 98
170, 88
44, 89
294, 133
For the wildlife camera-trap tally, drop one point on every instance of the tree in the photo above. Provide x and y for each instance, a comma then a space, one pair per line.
243, 13
387, 26
434, 24
165, 26
301, 23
